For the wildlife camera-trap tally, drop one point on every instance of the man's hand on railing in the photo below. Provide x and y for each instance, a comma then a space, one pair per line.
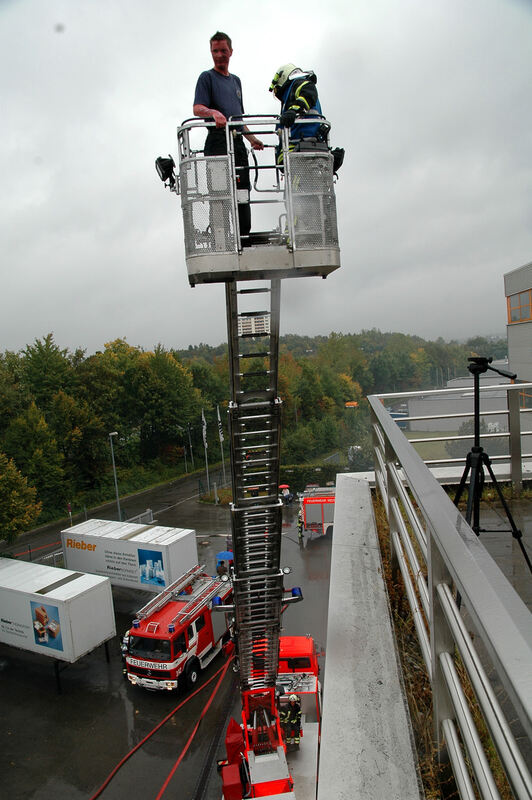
254, 142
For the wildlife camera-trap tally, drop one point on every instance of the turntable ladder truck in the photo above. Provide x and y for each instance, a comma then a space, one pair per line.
297, 200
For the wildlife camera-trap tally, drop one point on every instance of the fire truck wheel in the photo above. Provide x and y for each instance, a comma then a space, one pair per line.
192, 672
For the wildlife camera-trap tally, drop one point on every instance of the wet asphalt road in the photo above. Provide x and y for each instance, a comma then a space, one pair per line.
64, 745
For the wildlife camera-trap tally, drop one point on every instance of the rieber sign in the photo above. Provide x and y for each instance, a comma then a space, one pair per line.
80, 545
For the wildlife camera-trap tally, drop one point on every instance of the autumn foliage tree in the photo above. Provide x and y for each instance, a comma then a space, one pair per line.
58, 407
19, 509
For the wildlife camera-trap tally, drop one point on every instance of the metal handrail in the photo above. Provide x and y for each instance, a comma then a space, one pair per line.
515, 434
456, 560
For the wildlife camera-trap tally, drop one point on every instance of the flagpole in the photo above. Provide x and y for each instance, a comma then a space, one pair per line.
190, 445
204, 426
221, 435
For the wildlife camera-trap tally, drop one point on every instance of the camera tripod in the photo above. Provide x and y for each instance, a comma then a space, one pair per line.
477, 459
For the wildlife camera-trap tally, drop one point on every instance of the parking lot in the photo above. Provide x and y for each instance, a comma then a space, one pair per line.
65, 745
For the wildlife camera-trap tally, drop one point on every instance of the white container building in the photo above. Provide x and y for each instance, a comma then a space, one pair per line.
55, 612
137, 556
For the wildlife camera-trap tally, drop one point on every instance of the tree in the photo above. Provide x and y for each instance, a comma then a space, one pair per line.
298, 446
14, 398
162, 400
82, 440
47, 369
208, 381
18, 508
488, 346
308, 391
31, 444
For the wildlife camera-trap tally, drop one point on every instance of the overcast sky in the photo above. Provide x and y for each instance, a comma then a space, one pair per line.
430, 99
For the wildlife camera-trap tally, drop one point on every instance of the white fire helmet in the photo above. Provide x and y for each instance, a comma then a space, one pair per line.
293, 698
285, 73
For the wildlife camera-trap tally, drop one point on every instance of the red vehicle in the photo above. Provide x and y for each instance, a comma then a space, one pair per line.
253, 745
317, 508
177, 633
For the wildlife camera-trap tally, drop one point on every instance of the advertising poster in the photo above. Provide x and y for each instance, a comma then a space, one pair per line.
46, 627
151, 567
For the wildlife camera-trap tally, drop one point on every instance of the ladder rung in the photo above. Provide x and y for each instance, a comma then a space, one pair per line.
252, 486
251, 461
259, 374
252, 448
250, 418
249, 502
255, 355
264, 290
253, 335
244, 403
246, 314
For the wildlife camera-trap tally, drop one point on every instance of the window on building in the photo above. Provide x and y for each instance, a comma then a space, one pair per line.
526, 399
520, 306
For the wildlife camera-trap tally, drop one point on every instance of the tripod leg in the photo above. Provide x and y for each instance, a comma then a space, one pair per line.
463, 480
516, 533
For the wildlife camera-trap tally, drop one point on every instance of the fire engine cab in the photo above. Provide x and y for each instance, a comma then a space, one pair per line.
177, 634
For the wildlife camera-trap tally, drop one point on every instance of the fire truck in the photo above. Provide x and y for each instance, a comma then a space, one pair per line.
299, 674
292, 197
317, 509
178, 633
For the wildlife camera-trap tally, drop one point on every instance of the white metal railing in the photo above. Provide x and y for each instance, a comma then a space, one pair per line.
145, 517
517, 423
438, 555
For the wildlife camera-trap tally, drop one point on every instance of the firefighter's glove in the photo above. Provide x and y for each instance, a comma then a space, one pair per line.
287, 119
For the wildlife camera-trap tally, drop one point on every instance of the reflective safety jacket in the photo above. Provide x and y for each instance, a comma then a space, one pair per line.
290, 715
301, 96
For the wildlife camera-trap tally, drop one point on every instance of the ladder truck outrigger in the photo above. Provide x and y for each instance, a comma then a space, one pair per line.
293, 198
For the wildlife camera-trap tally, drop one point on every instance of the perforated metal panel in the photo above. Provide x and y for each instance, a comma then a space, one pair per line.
312, 198
207, 203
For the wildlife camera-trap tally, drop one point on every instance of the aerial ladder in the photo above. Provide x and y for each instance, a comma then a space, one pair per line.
293, 197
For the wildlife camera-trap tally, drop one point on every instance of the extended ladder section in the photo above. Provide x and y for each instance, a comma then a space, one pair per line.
208, 589
171, 591
256, 511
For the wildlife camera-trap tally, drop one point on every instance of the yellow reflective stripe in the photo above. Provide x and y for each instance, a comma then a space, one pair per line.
291, 146
298, 96
275, 81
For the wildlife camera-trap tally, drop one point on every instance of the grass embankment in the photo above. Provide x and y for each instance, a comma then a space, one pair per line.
430, 451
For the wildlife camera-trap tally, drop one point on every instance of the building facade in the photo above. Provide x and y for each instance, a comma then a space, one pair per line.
518, 291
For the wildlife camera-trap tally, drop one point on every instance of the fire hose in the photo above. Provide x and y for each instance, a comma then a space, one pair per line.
221, 673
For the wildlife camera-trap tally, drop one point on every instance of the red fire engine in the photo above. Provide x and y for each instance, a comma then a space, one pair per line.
317, 509
256, 749
176, 634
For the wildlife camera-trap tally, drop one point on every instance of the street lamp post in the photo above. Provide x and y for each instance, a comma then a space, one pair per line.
115, 433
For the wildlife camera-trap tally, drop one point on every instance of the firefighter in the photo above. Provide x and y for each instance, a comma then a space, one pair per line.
221, 569
300, 526
296, 90
284, 714
293, 720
